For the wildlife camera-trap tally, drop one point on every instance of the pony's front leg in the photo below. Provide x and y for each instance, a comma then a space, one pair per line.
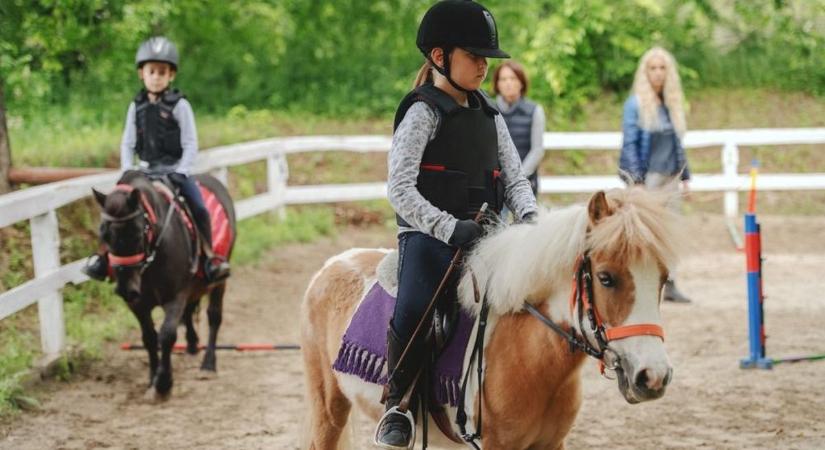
168, 335
143, 314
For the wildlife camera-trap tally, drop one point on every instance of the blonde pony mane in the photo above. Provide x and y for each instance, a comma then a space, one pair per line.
672, 91
531, 262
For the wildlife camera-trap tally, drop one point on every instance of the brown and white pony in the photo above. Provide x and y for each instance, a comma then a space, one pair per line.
531, 387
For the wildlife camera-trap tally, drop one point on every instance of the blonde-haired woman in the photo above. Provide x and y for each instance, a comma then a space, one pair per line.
653, 126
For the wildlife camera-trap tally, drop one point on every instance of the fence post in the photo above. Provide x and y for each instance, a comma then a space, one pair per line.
277, 173
730, 165
45, 238
222, 174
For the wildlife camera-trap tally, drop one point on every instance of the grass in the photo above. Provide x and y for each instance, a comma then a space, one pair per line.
258, 235
81, 139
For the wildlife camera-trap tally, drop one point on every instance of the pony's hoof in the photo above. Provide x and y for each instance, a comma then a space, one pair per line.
152, 395
161, 397
207, 374
209, 363
192, 349
163, 385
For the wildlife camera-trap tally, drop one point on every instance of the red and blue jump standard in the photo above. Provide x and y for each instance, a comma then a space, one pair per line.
756, 322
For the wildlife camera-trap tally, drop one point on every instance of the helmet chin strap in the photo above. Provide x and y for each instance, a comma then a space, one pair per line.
446, 69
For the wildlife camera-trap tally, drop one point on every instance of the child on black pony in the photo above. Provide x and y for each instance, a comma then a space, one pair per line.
160, 128
451, 153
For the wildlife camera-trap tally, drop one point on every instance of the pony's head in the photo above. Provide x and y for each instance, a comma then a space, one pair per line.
630, 243
124, 229
617, 250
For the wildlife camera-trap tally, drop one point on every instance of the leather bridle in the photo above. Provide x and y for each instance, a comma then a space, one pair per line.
145, 210
581, 301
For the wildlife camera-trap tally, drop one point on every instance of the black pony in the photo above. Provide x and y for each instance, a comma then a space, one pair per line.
156, 261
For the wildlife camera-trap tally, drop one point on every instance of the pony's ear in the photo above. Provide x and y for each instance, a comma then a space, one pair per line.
100, 197
598, 208
134, 199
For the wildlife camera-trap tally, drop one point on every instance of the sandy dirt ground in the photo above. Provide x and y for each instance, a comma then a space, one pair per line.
256, 401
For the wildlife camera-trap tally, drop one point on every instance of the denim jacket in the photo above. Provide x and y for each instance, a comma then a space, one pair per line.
635, 152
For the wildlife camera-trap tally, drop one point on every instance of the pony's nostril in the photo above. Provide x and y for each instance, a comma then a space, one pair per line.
669, 375
641, 379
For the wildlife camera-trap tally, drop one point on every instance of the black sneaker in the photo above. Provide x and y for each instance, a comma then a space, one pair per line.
395, 432
97, 267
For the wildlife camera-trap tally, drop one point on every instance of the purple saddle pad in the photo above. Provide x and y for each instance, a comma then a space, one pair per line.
363, 350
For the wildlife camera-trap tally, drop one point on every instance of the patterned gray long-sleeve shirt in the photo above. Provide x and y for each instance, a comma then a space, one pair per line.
411, 137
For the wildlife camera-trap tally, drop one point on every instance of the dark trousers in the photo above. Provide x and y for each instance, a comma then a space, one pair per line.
422, 262
190, 191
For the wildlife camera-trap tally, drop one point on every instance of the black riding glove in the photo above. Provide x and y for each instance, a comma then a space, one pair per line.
465, 234
177, 178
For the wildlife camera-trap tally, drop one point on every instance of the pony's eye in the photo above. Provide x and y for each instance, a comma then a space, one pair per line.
606, 279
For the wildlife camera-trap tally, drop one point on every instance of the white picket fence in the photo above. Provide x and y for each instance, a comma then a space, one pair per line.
38, 204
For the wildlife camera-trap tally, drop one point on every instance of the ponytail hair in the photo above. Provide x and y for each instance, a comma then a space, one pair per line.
425, 74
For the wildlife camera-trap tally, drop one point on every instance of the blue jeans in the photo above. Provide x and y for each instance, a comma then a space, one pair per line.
422, 262
190, 191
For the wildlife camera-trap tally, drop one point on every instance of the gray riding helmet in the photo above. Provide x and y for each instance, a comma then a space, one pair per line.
159, 49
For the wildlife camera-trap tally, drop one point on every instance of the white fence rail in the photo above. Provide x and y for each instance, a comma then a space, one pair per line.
38, 204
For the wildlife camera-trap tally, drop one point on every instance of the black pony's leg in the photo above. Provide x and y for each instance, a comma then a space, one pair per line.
191, 334
150, 337
215, 314
168, 335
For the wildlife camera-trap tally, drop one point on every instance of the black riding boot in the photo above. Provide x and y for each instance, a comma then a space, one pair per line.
97, 267
395, 431
215, 268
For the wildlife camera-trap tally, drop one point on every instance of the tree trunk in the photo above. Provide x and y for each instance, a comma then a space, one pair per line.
5, 150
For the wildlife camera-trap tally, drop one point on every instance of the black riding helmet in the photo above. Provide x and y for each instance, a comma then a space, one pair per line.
458, 23
157, 49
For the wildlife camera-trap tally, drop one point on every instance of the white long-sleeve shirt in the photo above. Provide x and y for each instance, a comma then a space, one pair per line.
188, 140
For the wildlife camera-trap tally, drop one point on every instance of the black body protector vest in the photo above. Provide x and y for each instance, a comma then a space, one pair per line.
520, 122
460, 167
158, 132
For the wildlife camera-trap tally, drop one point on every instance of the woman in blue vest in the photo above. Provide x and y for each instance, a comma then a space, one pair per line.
524, 118
451, 153
653, 126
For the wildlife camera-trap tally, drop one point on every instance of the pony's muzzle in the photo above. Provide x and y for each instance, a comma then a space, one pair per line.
643, 382
650, 384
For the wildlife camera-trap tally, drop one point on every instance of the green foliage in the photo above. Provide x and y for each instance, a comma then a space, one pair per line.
93, 315
259, 234
16, 355
357, 57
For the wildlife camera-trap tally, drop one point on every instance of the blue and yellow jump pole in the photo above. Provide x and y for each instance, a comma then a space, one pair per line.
756, 312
